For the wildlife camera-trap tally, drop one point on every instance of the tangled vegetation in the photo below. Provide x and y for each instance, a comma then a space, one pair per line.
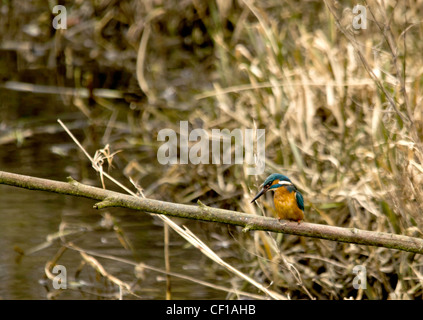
341, 109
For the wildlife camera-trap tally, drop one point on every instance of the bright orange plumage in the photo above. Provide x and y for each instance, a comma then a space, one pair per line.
286, 205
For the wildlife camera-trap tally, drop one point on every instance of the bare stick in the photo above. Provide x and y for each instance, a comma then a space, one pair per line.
205, 213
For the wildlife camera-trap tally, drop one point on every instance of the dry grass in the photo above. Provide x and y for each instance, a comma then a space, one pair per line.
341, 108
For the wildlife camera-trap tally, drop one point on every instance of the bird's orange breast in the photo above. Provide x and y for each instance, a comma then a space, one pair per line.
286, 205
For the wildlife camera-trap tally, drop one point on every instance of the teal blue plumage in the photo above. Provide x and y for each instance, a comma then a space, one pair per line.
300, 200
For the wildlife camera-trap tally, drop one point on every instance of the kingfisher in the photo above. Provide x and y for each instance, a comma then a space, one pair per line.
289, 202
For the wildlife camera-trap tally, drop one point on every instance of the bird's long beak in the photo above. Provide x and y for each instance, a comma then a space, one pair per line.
258, 195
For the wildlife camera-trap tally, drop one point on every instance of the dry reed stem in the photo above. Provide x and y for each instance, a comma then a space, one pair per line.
184, 232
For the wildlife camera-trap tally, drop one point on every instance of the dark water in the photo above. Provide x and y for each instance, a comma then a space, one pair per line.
29, 217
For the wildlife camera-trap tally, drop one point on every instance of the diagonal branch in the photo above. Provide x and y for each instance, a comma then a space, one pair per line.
205, 213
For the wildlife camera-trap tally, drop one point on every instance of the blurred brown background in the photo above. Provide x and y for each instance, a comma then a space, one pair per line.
341, 108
